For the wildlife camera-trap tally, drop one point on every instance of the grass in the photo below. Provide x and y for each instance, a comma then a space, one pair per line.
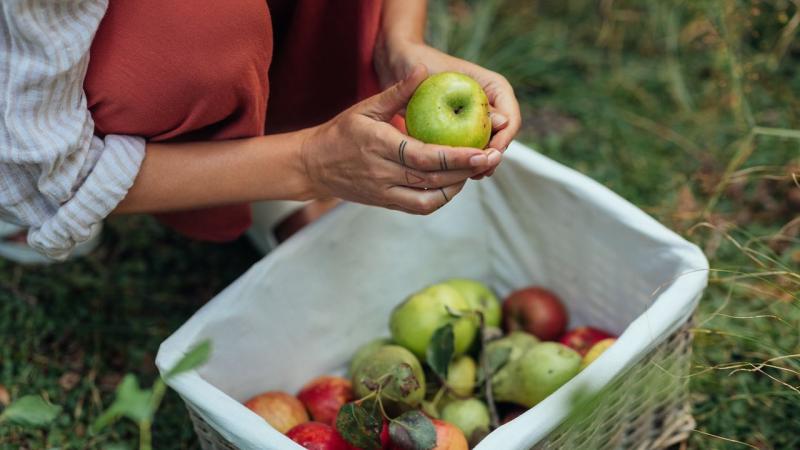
687, 108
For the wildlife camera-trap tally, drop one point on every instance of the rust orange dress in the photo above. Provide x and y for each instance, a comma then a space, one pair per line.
182, 70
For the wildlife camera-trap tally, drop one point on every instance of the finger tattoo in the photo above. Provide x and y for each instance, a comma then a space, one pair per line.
412, 178
442, 160
444, 194
402, 152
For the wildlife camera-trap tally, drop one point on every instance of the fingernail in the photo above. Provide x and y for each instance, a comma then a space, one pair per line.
478, 160
494, 157
498, 119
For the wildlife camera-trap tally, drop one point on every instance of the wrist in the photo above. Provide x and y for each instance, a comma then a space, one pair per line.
309, 185
393, 57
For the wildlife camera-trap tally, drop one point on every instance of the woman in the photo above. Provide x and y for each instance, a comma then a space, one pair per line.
191, 111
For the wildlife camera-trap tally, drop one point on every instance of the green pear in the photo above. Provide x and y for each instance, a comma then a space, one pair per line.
449, 108
536, 373
414, 321
461, 376
471, 416
480, 298
518, 342
398, 372
365, 351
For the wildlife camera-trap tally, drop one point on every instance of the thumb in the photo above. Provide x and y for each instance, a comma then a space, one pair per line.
385, 105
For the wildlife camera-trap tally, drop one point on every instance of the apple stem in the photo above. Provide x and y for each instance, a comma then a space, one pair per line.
487, 382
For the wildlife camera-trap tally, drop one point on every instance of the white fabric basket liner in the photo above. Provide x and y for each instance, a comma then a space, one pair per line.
305, 308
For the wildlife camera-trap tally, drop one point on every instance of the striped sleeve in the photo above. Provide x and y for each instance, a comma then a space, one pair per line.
56, 177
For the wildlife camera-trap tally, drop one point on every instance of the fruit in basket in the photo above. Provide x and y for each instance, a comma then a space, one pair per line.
471, 416
365, 351
581, 339
318, 436
535, 310
461, 376
512, 414
449, 108
517, 343
414, 321
323, 397
397, 373
480, 298
448, 436
281, 410
596, 350
535, 374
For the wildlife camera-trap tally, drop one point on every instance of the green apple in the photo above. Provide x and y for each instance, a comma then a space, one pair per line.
461, 376
471, 416
365, 351
414, 321
449, 108
405, 389
535, 374
480, 298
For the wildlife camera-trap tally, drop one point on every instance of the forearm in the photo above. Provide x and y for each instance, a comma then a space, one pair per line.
402, 24
404, 20
202, 174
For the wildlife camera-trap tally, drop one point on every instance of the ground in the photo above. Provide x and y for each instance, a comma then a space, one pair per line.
685, 108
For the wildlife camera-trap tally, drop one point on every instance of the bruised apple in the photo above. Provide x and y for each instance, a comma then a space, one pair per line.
324, 396
398, 375
281, 410
535, 310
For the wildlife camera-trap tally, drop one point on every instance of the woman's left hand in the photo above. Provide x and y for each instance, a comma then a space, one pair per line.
394, 62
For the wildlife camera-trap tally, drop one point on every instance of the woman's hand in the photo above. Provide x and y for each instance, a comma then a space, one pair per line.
394, 60
359, 156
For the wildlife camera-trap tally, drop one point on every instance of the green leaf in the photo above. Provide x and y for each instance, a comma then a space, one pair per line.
130, 401
196, 357
495, 360
30, 411
412, 431
440, 350
360, 425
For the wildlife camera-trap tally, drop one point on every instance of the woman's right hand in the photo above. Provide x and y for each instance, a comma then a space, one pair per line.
360, 157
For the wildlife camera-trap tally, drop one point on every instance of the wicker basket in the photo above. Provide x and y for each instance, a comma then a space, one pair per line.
646, 408
536, 222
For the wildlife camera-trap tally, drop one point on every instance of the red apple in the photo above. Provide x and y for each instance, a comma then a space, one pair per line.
318, 436
324, 395
535, 310
449, 437
581, 339
511, 415
279, 409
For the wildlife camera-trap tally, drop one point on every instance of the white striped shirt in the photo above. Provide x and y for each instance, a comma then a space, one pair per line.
56, 177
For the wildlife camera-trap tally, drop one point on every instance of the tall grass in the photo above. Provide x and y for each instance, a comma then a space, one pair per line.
689, 109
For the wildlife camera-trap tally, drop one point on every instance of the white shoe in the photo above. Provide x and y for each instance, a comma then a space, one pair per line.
266, 216
22, 253
274, 222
